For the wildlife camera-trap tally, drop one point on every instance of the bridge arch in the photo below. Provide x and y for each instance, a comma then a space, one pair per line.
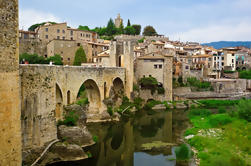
59, 102
92, 92
118, 86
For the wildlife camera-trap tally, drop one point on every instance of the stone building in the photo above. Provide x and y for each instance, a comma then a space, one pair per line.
159, 66
118, 21
65, 48
10, 112
61, 31
93, 49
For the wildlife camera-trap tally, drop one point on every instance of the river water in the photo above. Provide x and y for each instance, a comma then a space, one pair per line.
120, 143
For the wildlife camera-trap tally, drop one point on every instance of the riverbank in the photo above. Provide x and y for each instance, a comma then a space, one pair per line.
221, 132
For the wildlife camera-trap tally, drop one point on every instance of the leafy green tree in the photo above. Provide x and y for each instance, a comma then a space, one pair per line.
80, 57
149, 31
121, 28
130, 30
137, 29
128, 23
111, 28
57, 60
32, 58
84, 28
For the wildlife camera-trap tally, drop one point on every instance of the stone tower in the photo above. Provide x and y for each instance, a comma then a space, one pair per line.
10, 124
118, 21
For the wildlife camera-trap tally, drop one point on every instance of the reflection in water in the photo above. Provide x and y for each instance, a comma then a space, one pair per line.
120, 144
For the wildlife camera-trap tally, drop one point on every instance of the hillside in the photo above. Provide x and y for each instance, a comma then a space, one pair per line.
221, 44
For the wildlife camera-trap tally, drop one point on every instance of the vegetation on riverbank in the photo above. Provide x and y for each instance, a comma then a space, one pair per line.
221, 138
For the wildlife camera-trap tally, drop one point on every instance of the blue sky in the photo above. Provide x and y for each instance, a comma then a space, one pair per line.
185, 20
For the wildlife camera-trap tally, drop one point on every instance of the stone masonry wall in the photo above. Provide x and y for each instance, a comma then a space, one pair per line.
32, 46
10, 128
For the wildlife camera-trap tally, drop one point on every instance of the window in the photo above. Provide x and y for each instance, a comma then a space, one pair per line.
222, 63
160, 66
232, 54
63, 38
232, 60
46, 29
71, 38
71, 33
46, 36
187, 67
78, 44
222, 58
45, 56
58, 30
58, 37
155, 66
63, 31
69, 59
150, 75
215, 58
62, 52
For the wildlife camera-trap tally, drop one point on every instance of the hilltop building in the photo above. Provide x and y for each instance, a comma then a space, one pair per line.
118, 21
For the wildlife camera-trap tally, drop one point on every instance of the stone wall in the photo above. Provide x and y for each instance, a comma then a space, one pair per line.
32, 46
10, 133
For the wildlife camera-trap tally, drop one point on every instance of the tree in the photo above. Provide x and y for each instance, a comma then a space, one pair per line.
111, 28
121, 28
55, 59
128, 23
80, 57
84, 28
130, 30
32, 58
149, 31
137, 29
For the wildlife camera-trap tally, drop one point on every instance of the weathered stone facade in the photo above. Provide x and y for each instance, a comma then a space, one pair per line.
33, 46
10, 133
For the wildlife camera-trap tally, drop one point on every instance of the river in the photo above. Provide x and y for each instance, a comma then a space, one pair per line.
123, 143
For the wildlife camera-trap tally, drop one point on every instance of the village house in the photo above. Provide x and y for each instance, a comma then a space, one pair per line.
49, 31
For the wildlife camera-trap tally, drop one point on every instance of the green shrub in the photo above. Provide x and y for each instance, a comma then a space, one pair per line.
200, 85
150, 104
229, 71
137, 102
244, 109
199, 112
191, 131
135, 87
82, 102
161, 90
141, 40
166, 105
183, 153
245, 74
110, 111
222, 110
95, 138
218, 103
149, 83
70, 119
219, 120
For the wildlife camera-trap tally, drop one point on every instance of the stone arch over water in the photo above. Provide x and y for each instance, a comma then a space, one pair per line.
92, 93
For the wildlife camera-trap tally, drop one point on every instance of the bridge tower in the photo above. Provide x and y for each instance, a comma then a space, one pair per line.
10, 128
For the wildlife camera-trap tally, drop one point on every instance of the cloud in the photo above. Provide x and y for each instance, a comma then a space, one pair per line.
235, 31
28, 17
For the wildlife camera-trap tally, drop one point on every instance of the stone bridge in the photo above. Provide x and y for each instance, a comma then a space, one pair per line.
46, 89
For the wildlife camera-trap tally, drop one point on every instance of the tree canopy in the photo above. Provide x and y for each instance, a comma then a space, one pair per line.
35, 59
84, 28
128, 23
129, 30
149, 31
80, 57
137, 29
111, 28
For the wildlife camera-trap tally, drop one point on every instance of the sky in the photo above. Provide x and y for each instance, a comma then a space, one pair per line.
185, 20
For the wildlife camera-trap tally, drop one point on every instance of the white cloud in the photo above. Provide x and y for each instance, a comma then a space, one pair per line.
217, 32
28, 17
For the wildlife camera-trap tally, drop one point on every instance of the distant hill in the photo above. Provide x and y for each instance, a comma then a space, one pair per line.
222, 44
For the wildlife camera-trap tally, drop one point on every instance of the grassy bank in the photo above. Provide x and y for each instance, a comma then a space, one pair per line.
221, 137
